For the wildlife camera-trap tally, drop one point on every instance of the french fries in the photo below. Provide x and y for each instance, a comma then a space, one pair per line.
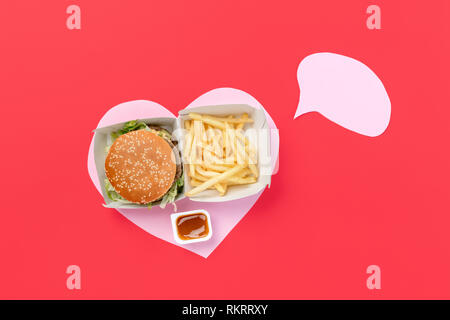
218, 154
217, 179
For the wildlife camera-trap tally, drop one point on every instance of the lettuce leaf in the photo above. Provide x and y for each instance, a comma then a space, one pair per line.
132, 125
170, 196
163, 133
112, 194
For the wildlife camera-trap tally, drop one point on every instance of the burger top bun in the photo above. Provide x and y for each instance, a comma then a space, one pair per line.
140, 166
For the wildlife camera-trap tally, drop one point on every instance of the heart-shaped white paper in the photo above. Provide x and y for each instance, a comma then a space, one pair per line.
224, 215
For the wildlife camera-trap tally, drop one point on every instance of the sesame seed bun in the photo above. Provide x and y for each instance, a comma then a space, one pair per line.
140, 166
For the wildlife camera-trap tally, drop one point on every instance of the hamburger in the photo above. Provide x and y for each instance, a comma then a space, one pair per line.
143, 166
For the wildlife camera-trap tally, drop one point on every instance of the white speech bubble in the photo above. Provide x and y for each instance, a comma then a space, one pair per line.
344, 91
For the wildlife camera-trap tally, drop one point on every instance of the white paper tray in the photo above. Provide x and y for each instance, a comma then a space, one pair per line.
176, 126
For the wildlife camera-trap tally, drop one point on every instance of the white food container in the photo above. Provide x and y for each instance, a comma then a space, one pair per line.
260, 133
259, 130
102, 140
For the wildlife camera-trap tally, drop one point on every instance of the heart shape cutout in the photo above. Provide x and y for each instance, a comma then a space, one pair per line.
224, 215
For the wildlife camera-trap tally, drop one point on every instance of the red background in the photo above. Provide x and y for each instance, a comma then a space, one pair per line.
340, 202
